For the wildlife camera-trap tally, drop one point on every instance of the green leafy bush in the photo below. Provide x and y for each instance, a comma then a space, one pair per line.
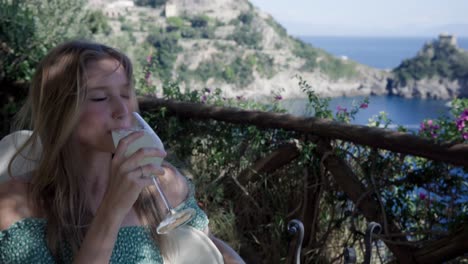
264, 64
247, 36
175, 23
150, 3
28, 29
246, 18
98, 23
200, 21
436, 59
18, 38
166, 50
316, 59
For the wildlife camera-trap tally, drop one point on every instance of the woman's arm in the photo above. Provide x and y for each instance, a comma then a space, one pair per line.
100, 238
123, 188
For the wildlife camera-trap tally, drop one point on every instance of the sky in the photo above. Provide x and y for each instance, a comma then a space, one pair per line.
369, 17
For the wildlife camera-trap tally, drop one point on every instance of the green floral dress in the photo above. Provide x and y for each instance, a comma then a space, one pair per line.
25, 241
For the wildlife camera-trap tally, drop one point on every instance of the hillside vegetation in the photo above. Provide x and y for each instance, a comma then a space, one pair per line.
439, 70
436, 59
224, 44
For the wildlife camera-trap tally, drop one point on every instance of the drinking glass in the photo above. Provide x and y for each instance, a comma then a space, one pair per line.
173, 219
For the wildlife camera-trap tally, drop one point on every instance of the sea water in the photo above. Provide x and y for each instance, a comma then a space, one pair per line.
377, 52
407, 112
383, 53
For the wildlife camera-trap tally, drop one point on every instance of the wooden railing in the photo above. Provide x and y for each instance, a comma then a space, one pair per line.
322, 131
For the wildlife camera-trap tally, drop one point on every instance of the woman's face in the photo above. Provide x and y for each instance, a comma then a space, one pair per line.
107, 105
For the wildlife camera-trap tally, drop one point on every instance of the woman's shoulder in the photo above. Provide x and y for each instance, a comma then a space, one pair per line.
14, 204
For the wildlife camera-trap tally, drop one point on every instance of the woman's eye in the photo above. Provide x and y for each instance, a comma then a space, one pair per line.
125, 96
98, 99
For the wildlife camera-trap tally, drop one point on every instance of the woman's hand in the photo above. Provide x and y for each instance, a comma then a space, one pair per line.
127, 178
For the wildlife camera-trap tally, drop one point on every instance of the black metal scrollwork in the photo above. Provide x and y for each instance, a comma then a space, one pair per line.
295, 226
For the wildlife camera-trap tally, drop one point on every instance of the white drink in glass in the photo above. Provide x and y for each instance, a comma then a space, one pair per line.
150, 139
147, 140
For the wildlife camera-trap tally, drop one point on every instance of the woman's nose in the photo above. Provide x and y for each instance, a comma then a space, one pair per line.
120, 108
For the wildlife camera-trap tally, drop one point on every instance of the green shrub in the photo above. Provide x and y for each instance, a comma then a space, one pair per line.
189, 32
126, 26
98, 23
317, 59
200, 21
150, 3
243, 72
175, 23
207, 33
166, 51
246, 18
209, 69
264, 64
28, 29
238, 72
247, 36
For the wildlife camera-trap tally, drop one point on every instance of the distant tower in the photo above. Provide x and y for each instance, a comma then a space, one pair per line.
170, 9
445, 38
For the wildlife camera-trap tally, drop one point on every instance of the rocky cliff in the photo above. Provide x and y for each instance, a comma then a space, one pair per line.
440, 70
233, 45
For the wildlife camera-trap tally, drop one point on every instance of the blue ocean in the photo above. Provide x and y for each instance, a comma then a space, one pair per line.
382, 53
378, 52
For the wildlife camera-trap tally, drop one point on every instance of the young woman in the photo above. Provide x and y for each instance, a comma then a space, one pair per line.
87, 202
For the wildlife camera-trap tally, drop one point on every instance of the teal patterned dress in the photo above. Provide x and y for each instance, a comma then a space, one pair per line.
25, 241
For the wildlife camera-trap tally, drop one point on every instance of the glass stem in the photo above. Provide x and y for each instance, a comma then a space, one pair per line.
161, 193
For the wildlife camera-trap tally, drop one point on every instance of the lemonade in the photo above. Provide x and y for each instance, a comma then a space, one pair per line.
147, 140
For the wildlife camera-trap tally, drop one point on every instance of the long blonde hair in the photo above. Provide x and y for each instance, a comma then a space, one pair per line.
52, 109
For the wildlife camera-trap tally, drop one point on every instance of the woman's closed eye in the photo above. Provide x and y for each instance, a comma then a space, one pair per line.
98, 99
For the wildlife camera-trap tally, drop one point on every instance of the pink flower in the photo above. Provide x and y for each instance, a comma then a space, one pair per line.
430, 127
340, 109
422, 196
465, 135
465, 113
278, 97
363, 106
461, 122
149, 58
423, 126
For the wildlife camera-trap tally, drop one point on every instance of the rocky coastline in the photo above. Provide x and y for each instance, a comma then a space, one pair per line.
244, 42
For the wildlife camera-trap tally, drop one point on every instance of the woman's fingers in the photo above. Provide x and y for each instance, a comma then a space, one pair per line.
142, 156
150, 170
124, 143
142, 174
